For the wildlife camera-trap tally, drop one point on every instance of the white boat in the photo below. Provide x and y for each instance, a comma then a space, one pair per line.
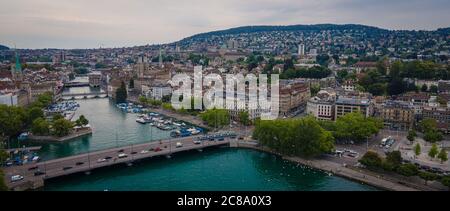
141, 120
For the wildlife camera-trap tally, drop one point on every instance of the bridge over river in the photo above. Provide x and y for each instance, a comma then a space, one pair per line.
98, 159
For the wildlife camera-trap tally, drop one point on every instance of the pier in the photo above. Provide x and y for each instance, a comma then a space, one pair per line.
36, 173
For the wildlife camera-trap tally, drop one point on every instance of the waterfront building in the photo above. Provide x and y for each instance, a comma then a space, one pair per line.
346, 104
294, 96
322, 106
95, 79
440, 114
160, 91
397, 115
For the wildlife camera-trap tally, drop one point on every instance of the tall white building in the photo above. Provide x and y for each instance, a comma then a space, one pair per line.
301, 50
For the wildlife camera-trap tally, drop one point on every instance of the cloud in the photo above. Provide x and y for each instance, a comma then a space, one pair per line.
89, 23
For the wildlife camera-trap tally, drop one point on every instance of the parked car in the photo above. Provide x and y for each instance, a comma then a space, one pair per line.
16, 178
33, 168
38, 173
179, 144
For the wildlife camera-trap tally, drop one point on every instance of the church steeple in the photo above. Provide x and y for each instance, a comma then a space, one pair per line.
18, 66
16, 69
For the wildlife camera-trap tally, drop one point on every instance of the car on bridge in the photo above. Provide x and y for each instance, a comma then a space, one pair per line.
101, 160
122, 155
67, 168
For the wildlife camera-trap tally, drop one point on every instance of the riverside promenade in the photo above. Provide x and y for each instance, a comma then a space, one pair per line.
337, 169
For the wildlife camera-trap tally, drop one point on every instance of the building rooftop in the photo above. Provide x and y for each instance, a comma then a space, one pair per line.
353, 101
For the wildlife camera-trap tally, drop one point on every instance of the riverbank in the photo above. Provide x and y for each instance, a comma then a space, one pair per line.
336, 169
55, 139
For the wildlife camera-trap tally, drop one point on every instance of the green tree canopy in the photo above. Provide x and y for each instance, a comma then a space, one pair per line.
408, 170
296, 137
417, 149
371, 160
12, 120
244, 118
62, 127
40, 127
395, 158
216, 117
81, 121
3, 186
443, 156
356, 127
433, 151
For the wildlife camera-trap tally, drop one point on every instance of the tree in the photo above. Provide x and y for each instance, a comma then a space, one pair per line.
417, 149
323, 59
408, 170
427, 176
371, 160
356, 127
428, 125
244, 118
433, 151
121, 93
40, 127
34, 113
216, 117
443, 155
57, 116
315, 89
81, 121
446, 181
395, 158
433, 136
12, 120
3, 186
294, 137
143, 100
412, 135
62, 127
377, 89
434, 89
3, 155
288, 64
424, 88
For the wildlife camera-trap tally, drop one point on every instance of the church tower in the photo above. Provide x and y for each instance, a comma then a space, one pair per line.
16, 68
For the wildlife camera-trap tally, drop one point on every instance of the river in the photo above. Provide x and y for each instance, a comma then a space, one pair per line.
212, 169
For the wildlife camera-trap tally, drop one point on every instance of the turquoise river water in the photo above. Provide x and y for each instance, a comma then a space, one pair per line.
213, 169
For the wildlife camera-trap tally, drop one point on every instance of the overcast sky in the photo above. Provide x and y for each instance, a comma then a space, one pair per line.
118, 23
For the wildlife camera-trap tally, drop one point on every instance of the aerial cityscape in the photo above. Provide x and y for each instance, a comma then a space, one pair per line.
355, 103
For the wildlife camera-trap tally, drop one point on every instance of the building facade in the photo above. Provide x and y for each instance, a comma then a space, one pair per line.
397, 115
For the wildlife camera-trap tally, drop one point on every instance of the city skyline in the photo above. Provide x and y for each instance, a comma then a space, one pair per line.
94, 24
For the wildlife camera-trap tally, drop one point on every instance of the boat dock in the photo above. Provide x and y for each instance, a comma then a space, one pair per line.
24, 149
